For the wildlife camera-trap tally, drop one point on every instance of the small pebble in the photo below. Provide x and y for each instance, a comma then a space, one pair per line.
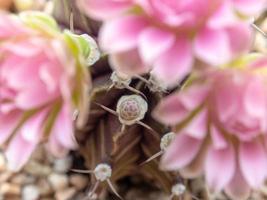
4, 177
44, 187
10, 189
37, 169
79, 181
2, 162
58, 181
21, 179
62, 165
66, 194
30, 192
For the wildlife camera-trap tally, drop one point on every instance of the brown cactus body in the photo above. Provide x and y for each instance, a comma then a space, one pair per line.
98, 140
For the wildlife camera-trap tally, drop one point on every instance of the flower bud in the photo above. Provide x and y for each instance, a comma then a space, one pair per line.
131, 108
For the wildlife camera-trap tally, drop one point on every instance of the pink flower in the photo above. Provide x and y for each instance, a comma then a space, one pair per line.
166, 35
41, 84
220, 121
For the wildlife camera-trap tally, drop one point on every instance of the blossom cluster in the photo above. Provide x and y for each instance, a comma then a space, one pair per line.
167, 37
43, 80
220, 118
220, 115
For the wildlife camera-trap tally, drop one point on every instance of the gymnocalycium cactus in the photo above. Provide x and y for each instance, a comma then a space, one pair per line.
170, 79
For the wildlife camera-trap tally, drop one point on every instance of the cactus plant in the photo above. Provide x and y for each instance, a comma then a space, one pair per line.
106, 138
121, 136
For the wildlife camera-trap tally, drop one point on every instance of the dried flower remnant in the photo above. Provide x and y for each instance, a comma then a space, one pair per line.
165, 37
43, 81
220, 123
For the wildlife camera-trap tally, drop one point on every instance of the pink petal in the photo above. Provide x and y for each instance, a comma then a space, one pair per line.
238, 189
226, 100
181, 152
212, 46
196, 167
193, 96
55, 147
19, 152
8, 123
128, 62
172, 66
31, 130
198, 126
64, 134
176, 107
220, 167
103, 9
223, 17
170, 110
255, 98
151, 36
241, 38
35, 97
253, 162
10, 26
218, 140
121, 34
250, 7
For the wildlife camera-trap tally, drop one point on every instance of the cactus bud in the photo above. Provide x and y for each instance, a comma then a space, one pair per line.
102, 172
178, 189
166, 140
131, 109
120, 80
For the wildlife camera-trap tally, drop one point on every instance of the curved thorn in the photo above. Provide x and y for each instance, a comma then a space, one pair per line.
135, 91
259, 30
72, 22
171, 197
123, 127
82, 171
75, 115
113, 189
152, 158
110, 87
152, 131
194, 197
107, 109
119, 134
142, 79
92, 192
